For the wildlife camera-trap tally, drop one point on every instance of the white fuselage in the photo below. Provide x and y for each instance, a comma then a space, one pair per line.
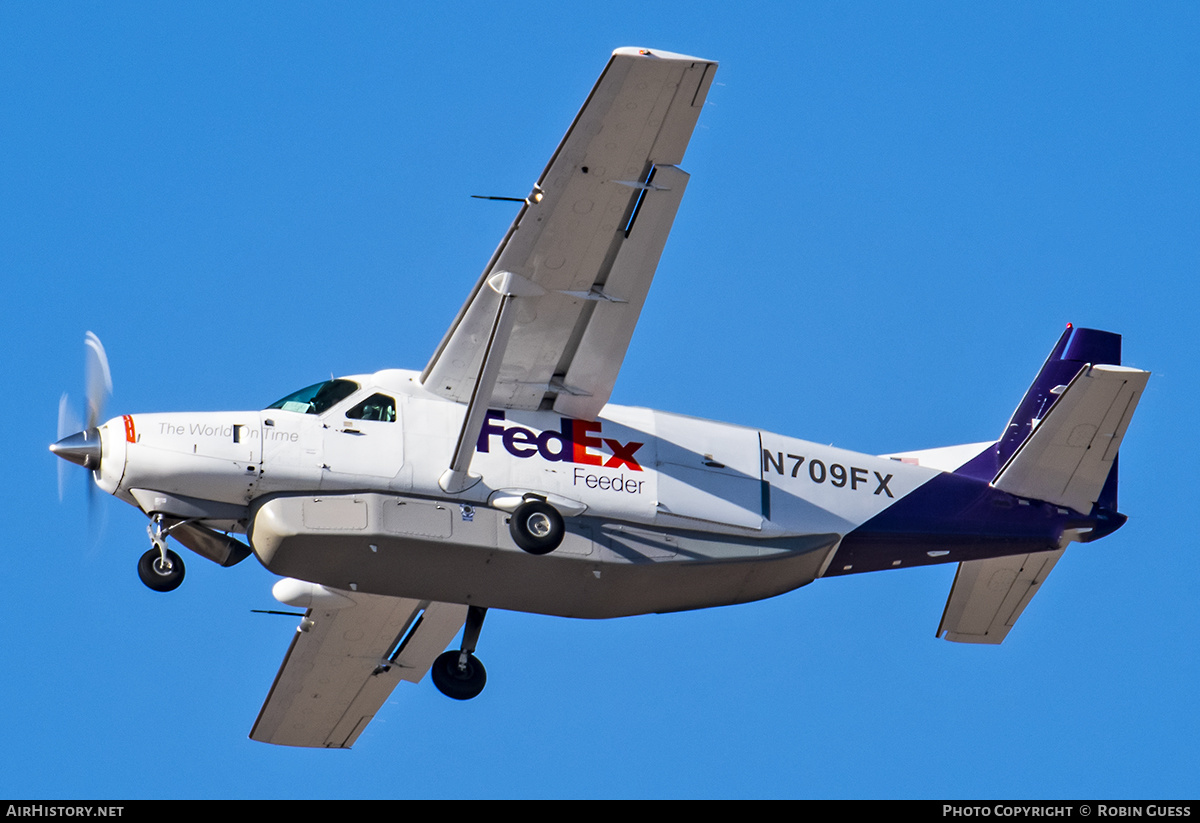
739, 492
631, 464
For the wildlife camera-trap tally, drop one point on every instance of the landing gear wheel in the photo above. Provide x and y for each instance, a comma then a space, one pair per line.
460, 683
159, 576
536, 527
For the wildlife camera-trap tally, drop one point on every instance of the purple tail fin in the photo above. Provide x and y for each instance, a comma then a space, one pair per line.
1075, 349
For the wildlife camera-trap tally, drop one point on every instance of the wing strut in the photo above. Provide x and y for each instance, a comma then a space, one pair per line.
509, 286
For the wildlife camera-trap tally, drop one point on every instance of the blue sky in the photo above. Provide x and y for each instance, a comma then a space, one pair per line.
894, 210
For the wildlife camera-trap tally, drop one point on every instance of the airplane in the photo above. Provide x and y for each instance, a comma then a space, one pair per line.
400, 506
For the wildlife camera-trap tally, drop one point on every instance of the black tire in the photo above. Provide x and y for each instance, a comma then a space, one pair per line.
155, 577
459, 684
537, 527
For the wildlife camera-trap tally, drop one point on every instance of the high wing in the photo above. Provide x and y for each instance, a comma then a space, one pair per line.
350, 651
550, 319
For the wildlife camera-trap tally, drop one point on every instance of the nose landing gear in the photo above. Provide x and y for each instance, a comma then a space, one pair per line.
160, 568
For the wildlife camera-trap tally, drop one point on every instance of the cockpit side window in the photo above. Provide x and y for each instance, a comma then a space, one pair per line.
376, 407
317, 398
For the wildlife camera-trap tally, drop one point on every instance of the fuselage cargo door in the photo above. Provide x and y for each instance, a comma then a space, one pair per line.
708, 472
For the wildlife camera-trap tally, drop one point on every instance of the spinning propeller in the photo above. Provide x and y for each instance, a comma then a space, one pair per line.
83, 446
160, 568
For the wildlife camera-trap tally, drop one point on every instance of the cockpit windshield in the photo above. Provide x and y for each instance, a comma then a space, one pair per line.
317, 398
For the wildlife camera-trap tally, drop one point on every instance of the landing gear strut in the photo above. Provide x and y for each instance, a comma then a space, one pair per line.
459, 674
160, 568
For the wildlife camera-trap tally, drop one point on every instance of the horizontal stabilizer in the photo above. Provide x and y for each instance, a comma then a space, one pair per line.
1068, 456
989, 595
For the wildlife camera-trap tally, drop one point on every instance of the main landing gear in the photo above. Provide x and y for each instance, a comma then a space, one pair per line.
160, 568
459, 674
536, 527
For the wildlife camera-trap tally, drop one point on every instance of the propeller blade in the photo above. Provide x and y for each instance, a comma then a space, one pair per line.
91, 506
78, 442
68, 423
98, 378
68, 420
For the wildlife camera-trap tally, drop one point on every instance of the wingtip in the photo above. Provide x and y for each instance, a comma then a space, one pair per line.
636, 51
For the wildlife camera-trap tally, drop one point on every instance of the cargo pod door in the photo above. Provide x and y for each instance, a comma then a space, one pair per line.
707, 473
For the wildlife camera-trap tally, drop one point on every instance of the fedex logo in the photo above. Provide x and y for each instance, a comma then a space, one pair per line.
578, 441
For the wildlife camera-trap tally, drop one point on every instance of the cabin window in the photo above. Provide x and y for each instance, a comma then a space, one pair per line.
376, 407
317, 398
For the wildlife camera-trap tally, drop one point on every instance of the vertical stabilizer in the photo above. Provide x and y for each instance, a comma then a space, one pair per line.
1070, 455
1075, 349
